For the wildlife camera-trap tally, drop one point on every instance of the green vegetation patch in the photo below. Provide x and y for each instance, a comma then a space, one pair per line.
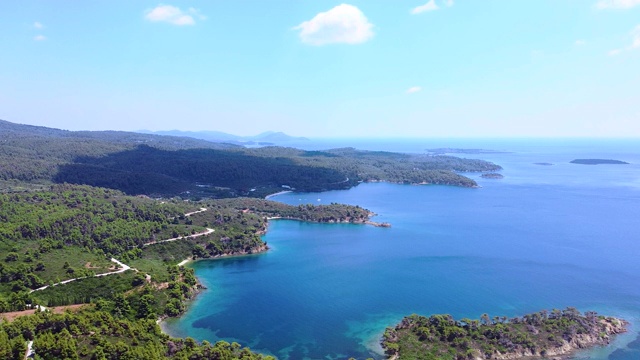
534, 335
84, 291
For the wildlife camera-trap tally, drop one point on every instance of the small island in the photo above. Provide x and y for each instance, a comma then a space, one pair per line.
538, 335
598, 162
543, 164
492, 176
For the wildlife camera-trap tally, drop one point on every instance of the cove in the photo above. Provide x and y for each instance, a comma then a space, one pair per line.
546, 237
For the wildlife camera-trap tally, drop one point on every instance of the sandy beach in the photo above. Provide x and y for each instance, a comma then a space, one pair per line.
278, 193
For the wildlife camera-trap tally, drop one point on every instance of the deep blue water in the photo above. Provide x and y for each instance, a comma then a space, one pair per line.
543, 237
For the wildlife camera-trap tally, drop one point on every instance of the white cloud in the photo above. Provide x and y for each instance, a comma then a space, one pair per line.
430, 6
581, 42
38, 25
448, 2
173, 15
617, 4
635, 42
413, 89
344, 24
39, 38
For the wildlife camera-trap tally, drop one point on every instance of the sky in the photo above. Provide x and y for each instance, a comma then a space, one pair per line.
362, 68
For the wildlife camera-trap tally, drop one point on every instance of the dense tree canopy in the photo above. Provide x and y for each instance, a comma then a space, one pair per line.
161, 165
538, 334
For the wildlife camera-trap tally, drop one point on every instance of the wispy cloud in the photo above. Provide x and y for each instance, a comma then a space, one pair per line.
617, 4
38, 25
173, 15
344, 24
413, 89
614, 52
430, 6
581, 42
635, 36
635, 42
39, 38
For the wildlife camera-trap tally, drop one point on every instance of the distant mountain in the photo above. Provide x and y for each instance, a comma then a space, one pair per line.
265, 138
216, 136
276, 137
108, 139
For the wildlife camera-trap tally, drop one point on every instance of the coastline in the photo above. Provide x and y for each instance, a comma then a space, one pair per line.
393, 182
199, 287
161, 321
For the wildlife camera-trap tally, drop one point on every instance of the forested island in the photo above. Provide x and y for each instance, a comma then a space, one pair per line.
32, 156
116, 256
537, 335
492, 176
598, 162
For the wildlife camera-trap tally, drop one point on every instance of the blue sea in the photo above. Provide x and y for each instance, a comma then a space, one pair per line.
543, 237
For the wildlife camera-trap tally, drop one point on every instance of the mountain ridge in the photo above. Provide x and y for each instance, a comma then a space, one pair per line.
219, 136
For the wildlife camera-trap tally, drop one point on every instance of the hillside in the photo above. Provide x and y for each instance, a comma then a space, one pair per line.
168, 166
117, 255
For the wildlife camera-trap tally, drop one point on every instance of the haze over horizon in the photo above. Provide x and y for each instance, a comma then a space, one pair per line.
374, 69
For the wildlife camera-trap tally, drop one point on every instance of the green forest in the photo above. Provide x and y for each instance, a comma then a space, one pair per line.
73, 232
168, 166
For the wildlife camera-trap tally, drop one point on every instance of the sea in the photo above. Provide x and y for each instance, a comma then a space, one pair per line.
550, 234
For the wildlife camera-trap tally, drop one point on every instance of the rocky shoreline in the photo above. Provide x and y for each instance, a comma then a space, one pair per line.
579, 342
552, 335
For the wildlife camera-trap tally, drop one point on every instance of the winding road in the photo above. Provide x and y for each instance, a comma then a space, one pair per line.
207, 232
123, 268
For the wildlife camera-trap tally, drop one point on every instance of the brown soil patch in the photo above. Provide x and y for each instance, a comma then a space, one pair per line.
10, 316
162, 286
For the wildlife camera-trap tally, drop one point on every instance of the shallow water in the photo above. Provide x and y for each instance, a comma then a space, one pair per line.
542, 237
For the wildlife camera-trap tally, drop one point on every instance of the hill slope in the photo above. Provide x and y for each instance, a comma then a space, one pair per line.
167, 166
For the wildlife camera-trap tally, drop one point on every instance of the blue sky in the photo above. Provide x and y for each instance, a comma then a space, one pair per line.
369, 68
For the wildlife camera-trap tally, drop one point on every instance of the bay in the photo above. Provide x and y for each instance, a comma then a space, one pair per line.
543, 237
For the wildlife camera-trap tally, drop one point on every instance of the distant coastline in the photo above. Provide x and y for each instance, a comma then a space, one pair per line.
598, 162
442, 151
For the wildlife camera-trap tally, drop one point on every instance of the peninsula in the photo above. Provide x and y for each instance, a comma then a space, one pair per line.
537, 335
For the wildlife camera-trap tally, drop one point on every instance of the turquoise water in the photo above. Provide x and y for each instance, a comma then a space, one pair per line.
543, 237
